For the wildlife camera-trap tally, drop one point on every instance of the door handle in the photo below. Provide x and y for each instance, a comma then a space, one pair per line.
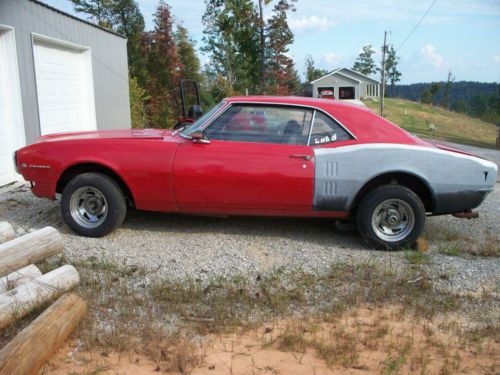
301, 156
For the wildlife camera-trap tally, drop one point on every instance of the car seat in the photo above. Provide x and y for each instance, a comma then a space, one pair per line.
291, 133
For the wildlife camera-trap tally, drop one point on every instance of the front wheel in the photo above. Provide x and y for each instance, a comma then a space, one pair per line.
391, 217
93, 204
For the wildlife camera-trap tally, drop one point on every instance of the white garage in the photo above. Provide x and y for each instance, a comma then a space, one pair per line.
58, 73
64, 86
11, 115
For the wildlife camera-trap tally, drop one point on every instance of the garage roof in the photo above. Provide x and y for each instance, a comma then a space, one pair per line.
76, 18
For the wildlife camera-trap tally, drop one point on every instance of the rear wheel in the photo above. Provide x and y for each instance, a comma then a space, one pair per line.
93, 204
391, 217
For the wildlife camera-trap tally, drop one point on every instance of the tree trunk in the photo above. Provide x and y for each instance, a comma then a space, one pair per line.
35, 344
28, 249
7, 233
19, 277
18, 302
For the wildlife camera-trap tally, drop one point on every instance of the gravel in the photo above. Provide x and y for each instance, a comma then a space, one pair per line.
195, 247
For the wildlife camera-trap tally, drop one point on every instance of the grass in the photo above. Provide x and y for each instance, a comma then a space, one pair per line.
167, 320
455, 127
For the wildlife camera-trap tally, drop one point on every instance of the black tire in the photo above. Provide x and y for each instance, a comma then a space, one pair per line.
393, 195
109, 217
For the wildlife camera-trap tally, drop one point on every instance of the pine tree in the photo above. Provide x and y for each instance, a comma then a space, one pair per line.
364, 63
280, 73
163, 105
137, 104
189, 61
128, 21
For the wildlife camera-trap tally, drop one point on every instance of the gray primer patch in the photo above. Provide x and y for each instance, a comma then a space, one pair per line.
341, 172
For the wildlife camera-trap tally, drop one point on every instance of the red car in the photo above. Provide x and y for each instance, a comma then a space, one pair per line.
267, 156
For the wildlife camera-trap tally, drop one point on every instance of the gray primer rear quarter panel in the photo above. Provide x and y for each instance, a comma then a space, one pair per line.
342, 171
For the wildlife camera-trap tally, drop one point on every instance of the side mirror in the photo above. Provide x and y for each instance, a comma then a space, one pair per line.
197, 137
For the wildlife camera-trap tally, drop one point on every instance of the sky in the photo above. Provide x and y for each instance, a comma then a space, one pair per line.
458, 35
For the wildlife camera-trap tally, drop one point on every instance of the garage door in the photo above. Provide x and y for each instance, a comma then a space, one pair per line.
64, 87
11, 117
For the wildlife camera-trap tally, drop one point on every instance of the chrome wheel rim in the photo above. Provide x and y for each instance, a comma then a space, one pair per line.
393, 220
89, 207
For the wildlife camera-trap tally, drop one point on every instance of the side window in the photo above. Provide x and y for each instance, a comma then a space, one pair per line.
325, 130
262, 124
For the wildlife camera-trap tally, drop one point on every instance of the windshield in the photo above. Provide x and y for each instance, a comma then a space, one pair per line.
202, 119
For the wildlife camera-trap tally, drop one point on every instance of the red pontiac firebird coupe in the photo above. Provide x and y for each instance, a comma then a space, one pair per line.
266, 156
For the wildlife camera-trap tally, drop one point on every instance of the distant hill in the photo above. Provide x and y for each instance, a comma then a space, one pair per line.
456, 127
462, 90
476, 99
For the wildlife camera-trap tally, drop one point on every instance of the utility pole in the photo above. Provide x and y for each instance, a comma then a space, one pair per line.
382, 91
262, 46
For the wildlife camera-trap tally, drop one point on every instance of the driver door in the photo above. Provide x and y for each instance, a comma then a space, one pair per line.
256, 162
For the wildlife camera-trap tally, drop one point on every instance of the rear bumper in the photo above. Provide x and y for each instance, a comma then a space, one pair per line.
460, 201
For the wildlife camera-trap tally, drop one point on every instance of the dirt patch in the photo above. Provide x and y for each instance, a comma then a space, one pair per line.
364, 341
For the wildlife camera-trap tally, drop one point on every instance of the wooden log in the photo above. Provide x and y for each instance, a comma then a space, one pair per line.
28, 249
7, 233
18, 302
19, 277
34, 345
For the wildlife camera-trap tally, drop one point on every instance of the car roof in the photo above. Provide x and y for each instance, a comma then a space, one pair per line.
361, 121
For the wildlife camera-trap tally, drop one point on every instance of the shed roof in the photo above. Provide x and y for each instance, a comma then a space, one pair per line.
345, 72
76, 18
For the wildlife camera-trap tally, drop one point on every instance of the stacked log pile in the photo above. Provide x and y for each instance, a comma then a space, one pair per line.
24, 288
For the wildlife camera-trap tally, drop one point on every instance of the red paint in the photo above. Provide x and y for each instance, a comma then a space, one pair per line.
169, 173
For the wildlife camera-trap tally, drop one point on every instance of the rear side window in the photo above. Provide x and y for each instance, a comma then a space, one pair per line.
326, 130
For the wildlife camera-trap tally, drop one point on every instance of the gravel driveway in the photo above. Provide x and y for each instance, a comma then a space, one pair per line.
174, 246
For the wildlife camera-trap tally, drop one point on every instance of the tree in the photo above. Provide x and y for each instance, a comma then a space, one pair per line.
392, 74
281, 74
312, 73
447, 89
98, 11
364, 63
426, 96
435, 86
189, 61
232, 40
163, 104
127, 20
137, 107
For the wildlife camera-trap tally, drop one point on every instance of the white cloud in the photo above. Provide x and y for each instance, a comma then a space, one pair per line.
310, 23
496, 59
332, 59
431, 56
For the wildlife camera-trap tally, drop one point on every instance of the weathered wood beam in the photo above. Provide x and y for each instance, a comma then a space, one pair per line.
31, 248
34, 345
7, 233
19, 277
18, 302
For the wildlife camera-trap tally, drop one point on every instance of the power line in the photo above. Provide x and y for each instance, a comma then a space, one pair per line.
417, 24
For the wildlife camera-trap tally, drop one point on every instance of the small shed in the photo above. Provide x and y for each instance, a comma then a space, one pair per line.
58, 73
345, 84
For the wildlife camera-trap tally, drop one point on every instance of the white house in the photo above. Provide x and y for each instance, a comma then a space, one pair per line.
345, 83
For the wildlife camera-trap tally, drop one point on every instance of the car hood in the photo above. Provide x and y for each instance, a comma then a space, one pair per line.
107, 134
